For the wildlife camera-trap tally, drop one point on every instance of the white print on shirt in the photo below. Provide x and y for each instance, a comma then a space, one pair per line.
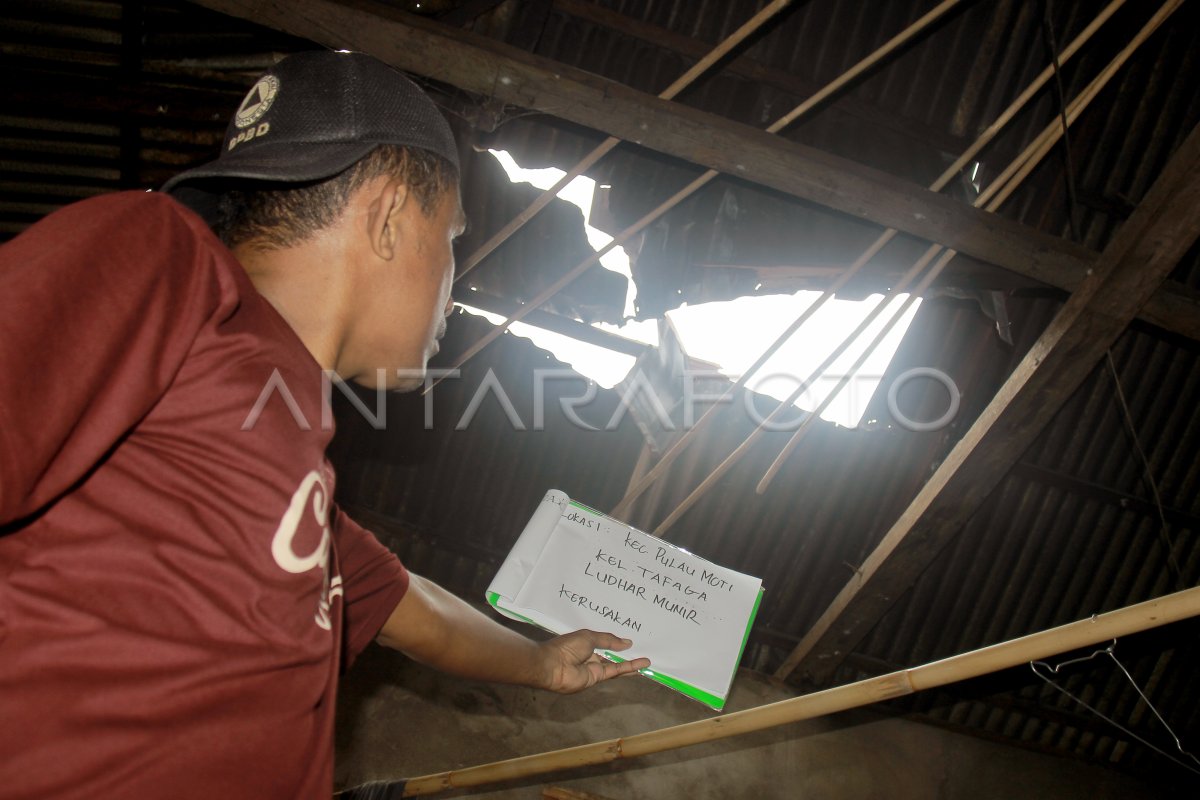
313, 486
276, 383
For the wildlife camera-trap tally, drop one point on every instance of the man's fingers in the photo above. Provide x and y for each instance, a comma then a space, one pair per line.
634, 665
629, 668
579, 648
617, 643
615, 670
608, 641
597, 640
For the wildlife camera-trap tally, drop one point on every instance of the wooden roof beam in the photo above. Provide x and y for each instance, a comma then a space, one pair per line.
556, 323
746, 67
1134, 265
496, 70
468, 12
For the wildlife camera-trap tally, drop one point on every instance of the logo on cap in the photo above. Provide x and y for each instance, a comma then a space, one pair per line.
258, 100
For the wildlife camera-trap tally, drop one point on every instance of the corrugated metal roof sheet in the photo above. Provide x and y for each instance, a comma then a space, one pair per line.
97, 99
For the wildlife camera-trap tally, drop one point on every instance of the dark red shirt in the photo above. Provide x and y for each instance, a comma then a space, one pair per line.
177, 590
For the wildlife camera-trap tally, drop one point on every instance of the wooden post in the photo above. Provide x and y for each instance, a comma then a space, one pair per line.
1035, 647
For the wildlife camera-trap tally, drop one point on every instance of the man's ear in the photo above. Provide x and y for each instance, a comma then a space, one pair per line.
383, 218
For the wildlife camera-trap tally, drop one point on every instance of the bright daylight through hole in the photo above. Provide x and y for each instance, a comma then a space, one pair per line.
731, 334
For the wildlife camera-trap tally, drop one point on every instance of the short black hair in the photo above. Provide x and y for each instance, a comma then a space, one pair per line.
277, 215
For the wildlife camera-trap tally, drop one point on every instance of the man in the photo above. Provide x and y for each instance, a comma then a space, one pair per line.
178, 593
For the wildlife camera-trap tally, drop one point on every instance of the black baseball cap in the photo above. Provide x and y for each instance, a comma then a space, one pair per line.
315, 114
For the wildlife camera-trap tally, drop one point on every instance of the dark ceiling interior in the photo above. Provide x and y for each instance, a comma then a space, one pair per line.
1096, 509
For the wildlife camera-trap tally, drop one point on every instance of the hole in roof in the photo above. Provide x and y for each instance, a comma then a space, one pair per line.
731, 334
604, 366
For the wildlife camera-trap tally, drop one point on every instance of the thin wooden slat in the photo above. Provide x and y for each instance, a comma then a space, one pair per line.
1144, 251
940, 183
492, 69
685, 80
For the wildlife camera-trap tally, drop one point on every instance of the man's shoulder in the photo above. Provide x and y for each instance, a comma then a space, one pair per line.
133, 213
142, 217
137, 249
127, 228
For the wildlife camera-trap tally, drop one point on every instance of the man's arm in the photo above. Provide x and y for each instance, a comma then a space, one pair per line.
436, 628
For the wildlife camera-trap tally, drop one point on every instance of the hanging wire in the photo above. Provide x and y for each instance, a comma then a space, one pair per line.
1072, 199
1109, 651
1164, 533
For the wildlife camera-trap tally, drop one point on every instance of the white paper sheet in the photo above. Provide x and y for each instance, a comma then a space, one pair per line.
573, 567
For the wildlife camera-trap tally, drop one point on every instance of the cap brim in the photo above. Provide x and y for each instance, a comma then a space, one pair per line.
286, 163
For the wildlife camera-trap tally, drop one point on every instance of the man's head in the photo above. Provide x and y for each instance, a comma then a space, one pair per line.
336, 160
285, 214
312, 116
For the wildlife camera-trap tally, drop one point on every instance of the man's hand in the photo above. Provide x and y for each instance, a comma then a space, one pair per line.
571, 664
436, 628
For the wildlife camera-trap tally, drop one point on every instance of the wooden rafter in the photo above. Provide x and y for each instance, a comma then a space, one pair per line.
492, 69
1143, 252
468, 12
550, 321
744, 66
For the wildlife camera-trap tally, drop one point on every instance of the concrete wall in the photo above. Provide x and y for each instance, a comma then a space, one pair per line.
397, 720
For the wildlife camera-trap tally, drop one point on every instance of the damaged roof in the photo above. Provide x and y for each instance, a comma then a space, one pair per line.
1100, 512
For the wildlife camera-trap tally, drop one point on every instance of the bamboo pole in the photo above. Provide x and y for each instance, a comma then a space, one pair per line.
1034, 647
897, 41
991, 198
682, 82
985, 138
